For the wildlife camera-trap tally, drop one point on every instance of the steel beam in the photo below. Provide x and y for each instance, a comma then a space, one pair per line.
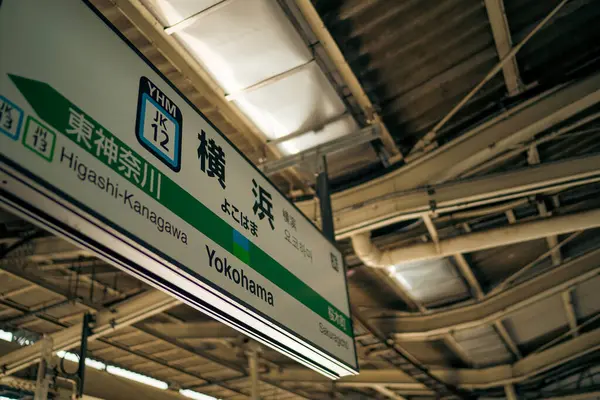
509, 391
151, 359
192, 19
356, 216
552, 240
510, 343
223, 363
193, 330
53, 248
467, 273
429, 138
372, 256
123, 315
482, 378
16, 292
18, 383
114, 345
405, 362
510, 154
342, 143
567, 298
333, 51
503, 40
371, 201
457, 349
533, 364
44, 372
493, 308
511, 217
271, 80
508, 281
390, 394
533, 158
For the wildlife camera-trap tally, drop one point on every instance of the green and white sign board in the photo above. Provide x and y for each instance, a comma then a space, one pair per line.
99, 147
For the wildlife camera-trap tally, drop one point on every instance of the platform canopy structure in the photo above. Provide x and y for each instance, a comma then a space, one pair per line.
462, 146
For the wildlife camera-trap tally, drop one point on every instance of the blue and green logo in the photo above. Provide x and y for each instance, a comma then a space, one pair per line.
241, 247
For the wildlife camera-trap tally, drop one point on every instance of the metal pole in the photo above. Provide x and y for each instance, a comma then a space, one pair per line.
325, 199
44, 373
253, 364
85, 332
509, 391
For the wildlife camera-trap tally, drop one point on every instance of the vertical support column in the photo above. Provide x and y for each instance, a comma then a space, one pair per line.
44, 370
252, 353
325, 198
86, 330
567, 297
509, 391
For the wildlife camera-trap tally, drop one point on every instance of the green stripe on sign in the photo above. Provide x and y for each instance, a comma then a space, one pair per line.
54, 108
241, 253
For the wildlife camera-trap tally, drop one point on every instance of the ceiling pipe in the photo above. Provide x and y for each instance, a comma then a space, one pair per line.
372, 256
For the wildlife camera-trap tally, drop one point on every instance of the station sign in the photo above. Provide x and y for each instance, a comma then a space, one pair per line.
99, 147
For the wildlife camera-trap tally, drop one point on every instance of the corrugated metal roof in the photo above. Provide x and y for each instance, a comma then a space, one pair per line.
416, 59
569, 42
538, 323
433, 352
484, 346
497, 264
587, 298
432, 282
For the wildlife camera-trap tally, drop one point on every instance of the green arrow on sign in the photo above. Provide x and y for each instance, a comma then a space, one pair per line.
56, 110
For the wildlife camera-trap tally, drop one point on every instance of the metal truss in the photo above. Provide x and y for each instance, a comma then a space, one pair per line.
133, 314
493, 308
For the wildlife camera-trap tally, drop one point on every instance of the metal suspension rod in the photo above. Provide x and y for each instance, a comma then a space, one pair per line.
44, 373
86, 331
325, 199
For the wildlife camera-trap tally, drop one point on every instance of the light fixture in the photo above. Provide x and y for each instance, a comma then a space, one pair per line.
6, 336
195, 395
75, 358
134, 376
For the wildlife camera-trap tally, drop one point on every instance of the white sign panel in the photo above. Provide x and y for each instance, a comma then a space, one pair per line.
96, 144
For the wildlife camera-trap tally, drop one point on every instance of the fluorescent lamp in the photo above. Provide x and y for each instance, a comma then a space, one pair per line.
68, 356
195, 395
75, 358
134, 376
95, 364
6, 336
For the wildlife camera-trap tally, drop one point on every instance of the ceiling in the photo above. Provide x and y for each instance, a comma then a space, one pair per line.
471, 248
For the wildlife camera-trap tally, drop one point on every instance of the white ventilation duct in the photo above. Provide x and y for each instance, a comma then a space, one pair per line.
372, 256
